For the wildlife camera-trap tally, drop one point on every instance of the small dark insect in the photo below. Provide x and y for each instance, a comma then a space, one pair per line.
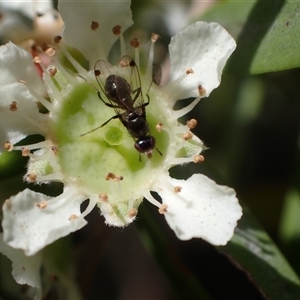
121, 87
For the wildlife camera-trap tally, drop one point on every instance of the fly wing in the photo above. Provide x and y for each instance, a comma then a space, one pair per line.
130, 71
102, 70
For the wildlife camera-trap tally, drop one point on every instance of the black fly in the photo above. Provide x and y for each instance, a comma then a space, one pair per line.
121, 87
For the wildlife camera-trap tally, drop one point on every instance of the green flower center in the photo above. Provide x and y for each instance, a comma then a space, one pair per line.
109, 149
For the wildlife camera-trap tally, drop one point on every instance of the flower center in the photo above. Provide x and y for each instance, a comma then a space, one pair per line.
91, 156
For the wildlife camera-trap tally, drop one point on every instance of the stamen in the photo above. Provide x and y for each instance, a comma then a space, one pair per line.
117, 30
181, 112
44, 144
135, 43
192, 123
187, 136
159, 126
13, 106
198, 159
132, 213
25, 152
8, 146
31, 177
73, 61
151, 199
163, 209
42, 204
73, 217
154, 38
94, 25
48, 105
103, 197
57, 39
52, 71
177, 189
201, 90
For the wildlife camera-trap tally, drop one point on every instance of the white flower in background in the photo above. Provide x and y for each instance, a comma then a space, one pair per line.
103, 165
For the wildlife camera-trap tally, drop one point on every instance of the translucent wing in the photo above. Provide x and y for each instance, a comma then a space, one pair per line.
129, 70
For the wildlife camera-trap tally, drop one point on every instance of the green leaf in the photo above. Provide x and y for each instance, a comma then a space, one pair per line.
253, 250
268, 34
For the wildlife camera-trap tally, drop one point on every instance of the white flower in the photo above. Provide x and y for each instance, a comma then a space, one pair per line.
103, 165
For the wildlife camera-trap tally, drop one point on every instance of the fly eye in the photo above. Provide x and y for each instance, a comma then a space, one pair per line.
145, 144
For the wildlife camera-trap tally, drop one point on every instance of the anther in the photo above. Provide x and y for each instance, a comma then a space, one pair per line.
117, 30
189, 71
163, 209
110, 176
135, 43
50, 51
73, 217
25, 152
42, 204
132, 212
37, 60
54, 149
103, 197
52, 71
201, 90
13, 106
192, 123
97, 72
118, 178
177, 189
94, 25
57, 39
22, 81
198, 159
155, 37
159, 126
8, 146
187, 136
31, 177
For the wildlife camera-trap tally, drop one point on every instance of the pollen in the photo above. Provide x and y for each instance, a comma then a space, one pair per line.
31, 177
201, 90
37, 60
198, 159
187, 136
25, 152
94, 25
103, 197
42, 204
192, 123
54, 149
163, 209
13, 106
117, 30
73, 217
155, 37
8, 146
132, 212
110, 176
135, 43
159, 126
177, 189
189, 71
52, 71
57, 39
50, 51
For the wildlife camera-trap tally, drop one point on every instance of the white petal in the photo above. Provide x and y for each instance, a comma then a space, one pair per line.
205, 48
16, 64
25, 270
78, 17
30, 227
29, 8
201, 209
